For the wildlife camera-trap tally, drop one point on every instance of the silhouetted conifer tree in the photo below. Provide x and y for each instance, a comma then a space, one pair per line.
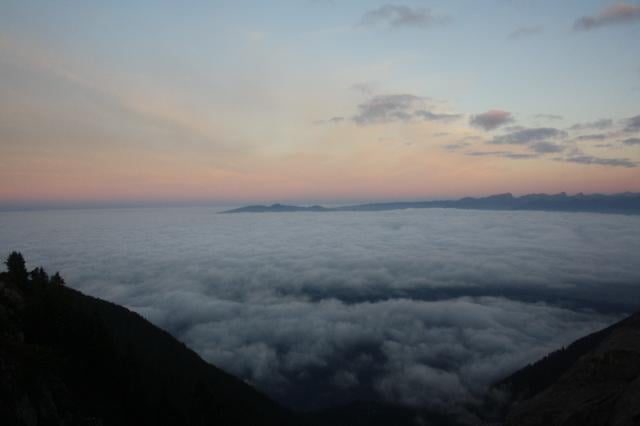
39, 276
56, 279
16, 268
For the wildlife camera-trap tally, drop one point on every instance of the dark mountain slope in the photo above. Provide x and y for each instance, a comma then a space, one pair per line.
374, 413
70, 359
594, 381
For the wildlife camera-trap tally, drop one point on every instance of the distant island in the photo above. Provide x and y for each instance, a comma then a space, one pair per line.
623, 203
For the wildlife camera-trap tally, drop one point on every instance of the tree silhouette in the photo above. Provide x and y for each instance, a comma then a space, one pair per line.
39, 276
56, 279
16, 268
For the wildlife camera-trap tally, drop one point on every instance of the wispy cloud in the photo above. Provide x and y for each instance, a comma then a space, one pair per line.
547, 147
633, 124
400, 16
527, 136
523, 32
398, 107
332, 120
620, 13
457, 146
491, 119
593, 137
503, 154
386, 108
590, 159
631, 141
603, 123
549, 116
432, 116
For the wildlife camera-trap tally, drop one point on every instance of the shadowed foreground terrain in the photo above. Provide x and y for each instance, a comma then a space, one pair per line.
71, 359
593, 381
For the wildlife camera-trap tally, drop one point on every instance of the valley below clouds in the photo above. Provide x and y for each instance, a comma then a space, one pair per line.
418, 307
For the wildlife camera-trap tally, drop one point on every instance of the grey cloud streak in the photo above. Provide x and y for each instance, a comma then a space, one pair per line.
589, 159
398, 107
503, 154
593, 137
491, 120
527, 136
332, 120
432, 116
315, 308
523, 32
385, 108
400, 16
633, 124
456, 146
603, 123
546, 147
631, 141
549, 116
620, 13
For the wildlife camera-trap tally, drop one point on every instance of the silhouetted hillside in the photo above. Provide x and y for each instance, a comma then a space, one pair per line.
381, 414
70, 359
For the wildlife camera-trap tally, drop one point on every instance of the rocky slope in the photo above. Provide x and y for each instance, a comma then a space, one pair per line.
594, 381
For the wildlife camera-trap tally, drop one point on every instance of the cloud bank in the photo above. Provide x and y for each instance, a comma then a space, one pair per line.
422, 307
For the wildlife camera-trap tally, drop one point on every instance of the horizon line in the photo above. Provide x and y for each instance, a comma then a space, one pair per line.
37, 205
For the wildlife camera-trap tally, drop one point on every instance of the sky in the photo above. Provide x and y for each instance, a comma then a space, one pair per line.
325, 101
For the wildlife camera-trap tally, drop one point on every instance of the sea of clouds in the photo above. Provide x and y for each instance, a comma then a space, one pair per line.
422, 307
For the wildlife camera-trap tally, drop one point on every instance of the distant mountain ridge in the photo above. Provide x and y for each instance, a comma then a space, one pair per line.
622, 203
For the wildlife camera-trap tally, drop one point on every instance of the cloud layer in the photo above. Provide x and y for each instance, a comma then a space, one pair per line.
419, 307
